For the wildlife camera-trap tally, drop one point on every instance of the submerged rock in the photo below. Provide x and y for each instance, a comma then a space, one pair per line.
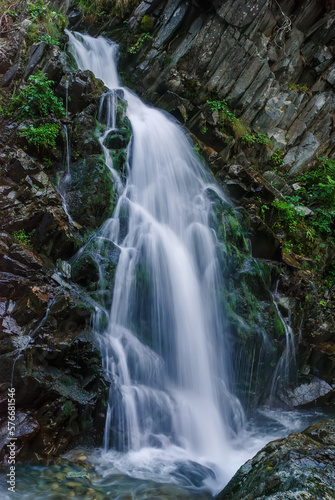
299, 466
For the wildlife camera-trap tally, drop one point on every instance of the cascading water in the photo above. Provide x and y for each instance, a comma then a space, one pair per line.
164, 348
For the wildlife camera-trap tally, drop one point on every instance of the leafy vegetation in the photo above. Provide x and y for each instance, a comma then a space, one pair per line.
222, 107
23, 237
138, 45
307, 232
277, 159
256, 139
9, 13
43, 136
38, 101
97, 10
298, 87
47, 24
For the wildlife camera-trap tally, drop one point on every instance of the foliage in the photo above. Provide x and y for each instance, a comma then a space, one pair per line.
49, 40
44, 18
43, 136
256, 139
138, 45
37, 99
8, 15
298, 87
277, 158
96, 10
223, 107
23, 237
203, 129
239, 129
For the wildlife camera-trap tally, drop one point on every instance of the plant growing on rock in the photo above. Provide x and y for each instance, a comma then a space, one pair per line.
46, 20
37, 100
277, 159
138, 45
256, 139
222, 107
23, 237
43, 136
298, 87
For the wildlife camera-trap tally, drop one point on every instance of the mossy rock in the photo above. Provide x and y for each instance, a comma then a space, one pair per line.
85, 270
91, 195
147, 23
115, 140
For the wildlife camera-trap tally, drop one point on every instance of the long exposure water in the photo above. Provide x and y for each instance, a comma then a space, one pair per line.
172, 414
171, 407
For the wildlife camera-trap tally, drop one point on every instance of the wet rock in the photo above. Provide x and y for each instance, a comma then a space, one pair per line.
301, 465
8, 77
115, 141
35, 55
305, 393
265, 245
90, 197
85, 270
26, 427
83, 89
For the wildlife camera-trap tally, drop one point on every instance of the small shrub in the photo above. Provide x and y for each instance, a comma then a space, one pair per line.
43, 136
49, 40
23, 237
223, 107
37, 99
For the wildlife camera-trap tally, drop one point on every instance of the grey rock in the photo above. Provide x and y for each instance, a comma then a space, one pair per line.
8, 77
305, 393
278, 136
277, 182
173, 17
36, 53
304, 153
298, 466
239, 13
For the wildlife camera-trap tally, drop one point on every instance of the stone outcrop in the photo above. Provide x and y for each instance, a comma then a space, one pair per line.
299, 466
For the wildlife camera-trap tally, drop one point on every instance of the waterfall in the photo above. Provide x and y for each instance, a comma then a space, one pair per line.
165, 349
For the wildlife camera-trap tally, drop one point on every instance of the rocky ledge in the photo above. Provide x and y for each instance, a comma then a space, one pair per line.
300, 466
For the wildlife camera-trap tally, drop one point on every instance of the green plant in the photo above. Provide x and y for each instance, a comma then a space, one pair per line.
43, 136
277, 158
298, 87
203, 129
37, 99
263, 210
49, 40
223, 107
138, 45
256, 139
47, 162
45, 18
23, 237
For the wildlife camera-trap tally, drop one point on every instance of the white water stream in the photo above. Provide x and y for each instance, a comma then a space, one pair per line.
172, 415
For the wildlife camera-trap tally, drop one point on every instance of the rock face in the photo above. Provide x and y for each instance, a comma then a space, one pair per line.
273, 63
47, 347
299, 466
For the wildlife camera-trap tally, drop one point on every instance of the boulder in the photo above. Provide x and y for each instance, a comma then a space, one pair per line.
299, 466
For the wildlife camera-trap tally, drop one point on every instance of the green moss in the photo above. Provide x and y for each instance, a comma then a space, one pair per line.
278, 327
147, 23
